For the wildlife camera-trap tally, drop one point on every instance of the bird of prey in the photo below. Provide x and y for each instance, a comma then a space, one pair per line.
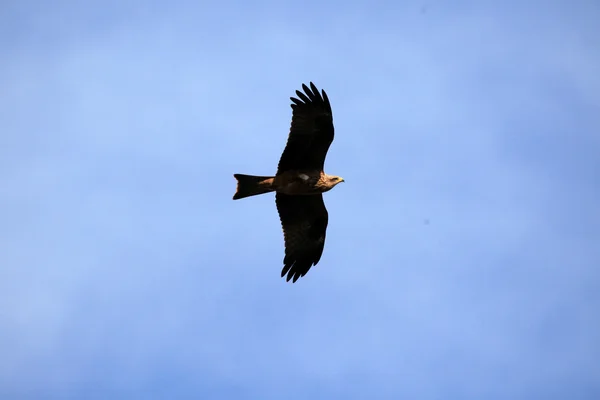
300, 182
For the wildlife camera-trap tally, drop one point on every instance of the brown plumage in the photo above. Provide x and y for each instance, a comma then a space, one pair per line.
300, 182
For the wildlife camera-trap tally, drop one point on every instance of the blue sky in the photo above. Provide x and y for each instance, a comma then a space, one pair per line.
462, 257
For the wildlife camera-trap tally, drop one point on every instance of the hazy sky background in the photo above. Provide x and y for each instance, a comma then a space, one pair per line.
462, 258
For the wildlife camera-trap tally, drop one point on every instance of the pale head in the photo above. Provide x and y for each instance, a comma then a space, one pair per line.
333, 180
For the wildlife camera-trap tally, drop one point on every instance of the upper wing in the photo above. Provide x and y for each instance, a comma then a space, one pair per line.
304, 221
311, 131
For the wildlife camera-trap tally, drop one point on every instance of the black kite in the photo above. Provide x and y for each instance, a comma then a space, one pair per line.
300, 182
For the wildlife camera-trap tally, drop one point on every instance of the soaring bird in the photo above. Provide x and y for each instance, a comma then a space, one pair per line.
300, 182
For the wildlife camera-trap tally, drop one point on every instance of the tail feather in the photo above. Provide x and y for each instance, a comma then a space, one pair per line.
250, 185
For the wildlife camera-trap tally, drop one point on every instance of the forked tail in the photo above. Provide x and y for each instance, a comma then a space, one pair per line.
250, 185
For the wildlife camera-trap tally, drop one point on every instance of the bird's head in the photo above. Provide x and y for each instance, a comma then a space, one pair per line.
334, 180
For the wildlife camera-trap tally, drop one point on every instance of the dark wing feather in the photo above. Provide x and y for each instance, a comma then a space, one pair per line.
304, 222
311, 131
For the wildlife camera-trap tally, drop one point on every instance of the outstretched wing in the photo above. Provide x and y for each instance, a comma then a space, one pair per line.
304, 222
311, 131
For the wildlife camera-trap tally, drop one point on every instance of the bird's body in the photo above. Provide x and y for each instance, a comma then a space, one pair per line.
293, 183
300, 182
